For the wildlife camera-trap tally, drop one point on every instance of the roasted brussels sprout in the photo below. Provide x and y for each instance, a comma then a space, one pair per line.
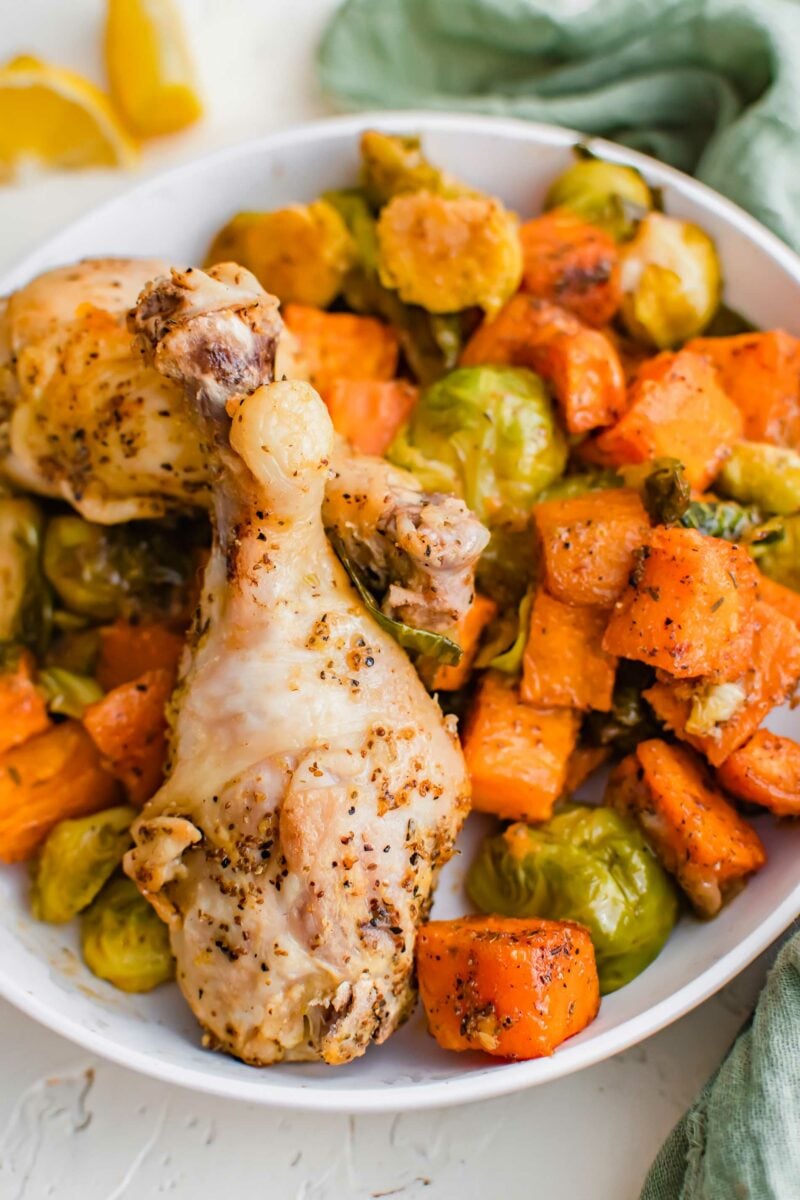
666, 493
594, 480
590, 865
489, 435
75, 650
392, 164
67, 692
510, 659
449, 253
301, 254
780, 557
762, 474
124, 942
603, 193
103, 572
630, 720
77, 860
26, 609
723, 519
431, 342
671, 281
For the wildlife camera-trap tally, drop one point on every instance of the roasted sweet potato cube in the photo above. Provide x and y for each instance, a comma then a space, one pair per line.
766, 771
778, 596
572, 264
129, 728
128, 650
512, 987
468, 635
688, 607
699, 837
564, 664
761, 374
333, 346
369, 412
579, 362
768, 678
50, 777
588, 544
583, 763
516, 755
676, 409
23, 712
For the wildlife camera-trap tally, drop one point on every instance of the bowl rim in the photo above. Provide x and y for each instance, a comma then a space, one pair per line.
501, 1078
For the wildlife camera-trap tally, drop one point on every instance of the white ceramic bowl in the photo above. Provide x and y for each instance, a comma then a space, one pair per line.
174, 217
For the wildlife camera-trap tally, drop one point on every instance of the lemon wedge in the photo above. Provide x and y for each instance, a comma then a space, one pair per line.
55, 116
150, 67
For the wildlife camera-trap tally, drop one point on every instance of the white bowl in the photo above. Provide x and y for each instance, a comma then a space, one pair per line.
174, 217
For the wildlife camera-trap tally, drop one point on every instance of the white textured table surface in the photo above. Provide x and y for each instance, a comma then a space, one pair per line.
72, 1126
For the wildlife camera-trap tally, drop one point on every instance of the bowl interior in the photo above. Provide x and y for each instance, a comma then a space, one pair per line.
174, 217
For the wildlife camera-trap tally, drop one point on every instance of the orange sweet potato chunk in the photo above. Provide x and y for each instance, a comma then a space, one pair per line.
572, 264
516, 755
468, 635
50, 777
579, 362
769, 677
127, 650
129, 729
512, 987
564, 664
766, 771
583, 763
588, 544
369, 412
699, 837
333, 346
761, 374
23, 711
688, 606
783, 598
676, 409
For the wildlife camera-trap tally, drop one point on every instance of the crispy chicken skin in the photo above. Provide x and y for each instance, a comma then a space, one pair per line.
314, 788
83, 416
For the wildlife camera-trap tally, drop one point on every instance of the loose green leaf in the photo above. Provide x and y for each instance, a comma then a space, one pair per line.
68, 693
420, 642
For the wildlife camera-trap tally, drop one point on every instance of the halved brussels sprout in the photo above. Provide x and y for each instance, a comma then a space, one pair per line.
67, 692
103, 572
671, 281
603, 193
301, 253
590, 865
431, 342
77, 860
74, 650
762, 474
26, 609
449, 253
124, 942
489, 435
392, 164
780, 557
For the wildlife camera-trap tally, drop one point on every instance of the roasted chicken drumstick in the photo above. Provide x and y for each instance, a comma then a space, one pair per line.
315, 788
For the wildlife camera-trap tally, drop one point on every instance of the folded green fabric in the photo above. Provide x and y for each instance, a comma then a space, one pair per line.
711, 86
739, 1140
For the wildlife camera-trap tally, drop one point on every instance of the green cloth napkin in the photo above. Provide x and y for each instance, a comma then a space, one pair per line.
711, 86
739, 1140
